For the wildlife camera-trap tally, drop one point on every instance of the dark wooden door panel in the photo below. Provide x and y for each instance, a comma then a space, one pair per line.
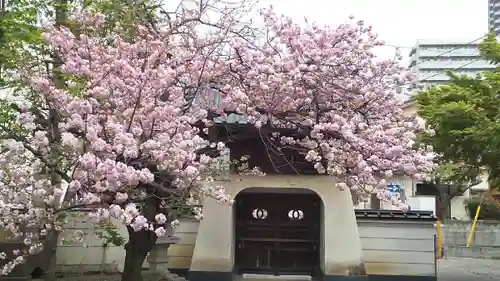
277, 233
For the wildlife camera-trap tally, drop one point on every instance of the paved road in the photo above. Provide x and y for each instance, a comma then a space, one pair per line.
449, 269
462, 269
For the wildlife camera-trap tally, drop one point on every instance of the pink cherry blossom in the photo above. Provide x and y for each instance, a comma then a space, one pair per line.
325, 83
161, 219
160, 231
129, 139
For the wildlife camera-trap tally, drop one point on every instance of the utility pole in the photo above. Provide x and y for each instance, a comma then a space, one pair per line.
2, 11
3, 4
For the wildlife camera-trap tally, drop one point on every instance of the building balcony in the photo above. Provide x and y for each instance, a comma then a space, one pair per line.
451, 52
450, 64
438, 77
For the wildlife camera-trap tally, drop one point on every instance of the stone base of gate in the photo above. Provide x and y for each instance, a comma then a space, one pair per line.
213, 256
263, 277
210, 276
340, 272
345, 278
401, 278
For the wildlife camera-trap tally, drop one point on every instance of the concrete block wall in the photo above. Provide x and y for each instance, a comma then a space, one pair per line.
92, 257
485, 242
88, 254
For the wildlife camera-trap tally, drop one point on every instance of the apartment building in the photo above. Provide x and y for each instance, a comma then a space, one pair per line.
431, 58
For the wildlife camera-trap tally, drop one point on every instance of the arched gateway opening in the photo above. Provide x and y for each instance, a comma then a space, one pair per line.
277, 231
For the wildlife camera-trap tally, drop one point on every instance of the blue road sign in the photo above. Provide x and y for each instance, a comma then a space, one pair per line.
394, 187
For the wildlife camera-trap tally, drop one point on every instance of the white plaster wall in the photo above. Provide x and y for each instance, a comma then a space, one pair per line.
458, 208
458, 203
408, 186
483, 185
406, 183
342, 247
422, 203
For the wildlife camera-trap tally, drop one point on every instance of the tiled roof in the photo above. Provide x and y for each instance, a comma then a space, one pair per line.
395, 215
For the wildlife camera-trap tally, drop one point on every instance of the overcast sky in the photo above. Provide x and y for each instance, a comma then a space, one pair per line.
398, 22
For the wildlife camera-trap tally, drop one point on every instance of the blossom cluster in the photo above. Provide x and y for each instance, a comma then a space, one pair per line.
326, 83
123, 128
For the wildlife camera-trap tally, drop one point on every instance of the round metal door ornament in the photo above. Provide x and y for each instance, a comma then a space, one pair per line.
259, 214
295, 214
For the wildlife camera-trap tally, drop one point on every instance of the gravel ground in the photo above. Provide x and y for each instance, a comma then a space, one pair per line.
463, 269
116, 277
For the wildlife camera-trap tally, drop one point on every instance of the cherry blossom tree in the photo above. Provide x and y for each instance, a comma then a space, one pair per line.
112, 127
125, 135
320, 90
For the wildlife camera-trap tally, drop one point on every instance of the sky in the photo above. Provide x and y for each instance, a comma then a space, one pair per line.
398, 22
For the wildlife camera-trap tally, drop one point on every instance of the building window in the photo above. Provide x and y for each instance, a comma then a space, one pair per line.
428, 189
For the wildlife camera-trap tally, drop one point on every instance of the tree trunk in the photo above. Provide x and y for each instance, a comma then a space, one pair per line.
139, 244
136, 250
51, 250
445, 208
443, 202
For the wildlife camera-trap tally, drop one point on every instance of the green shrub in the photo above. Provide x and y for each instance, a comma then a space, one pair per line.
489, 211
